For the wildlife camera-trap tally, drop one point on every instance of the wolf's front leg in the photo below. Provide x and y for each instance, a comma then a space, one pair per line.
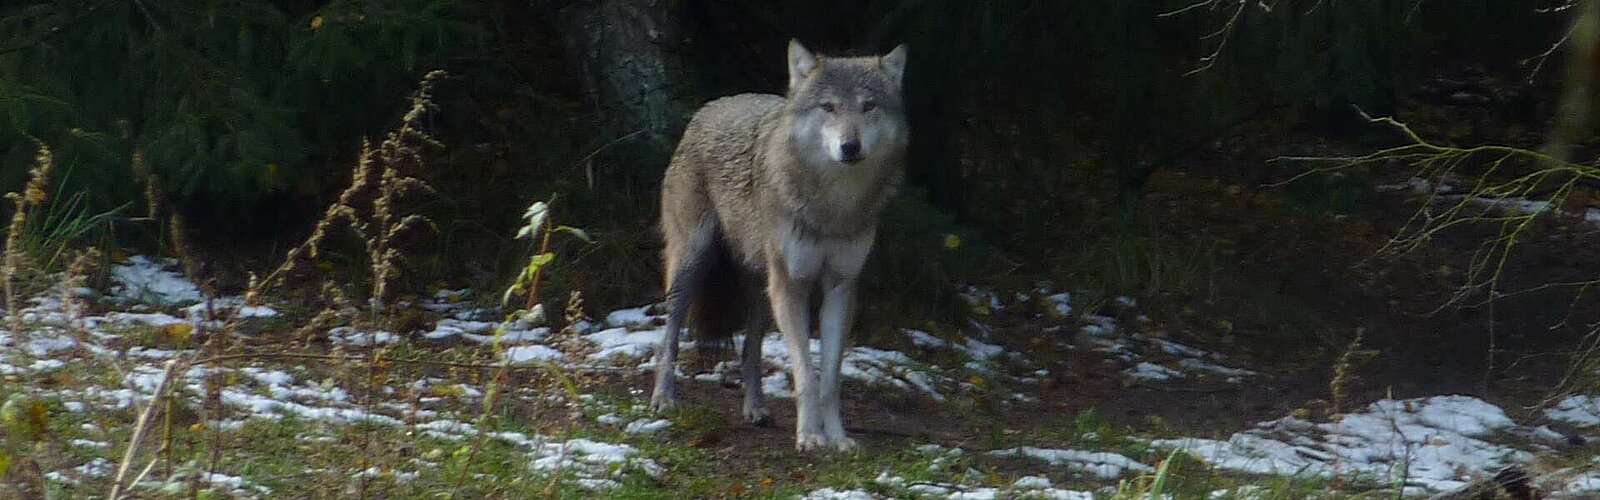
792, 312
838, 309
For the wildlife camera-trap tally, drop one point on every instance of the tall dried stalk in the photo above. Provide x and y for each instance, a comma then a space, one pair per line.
139, 428
1339, 385
33, 194
373, 205
154, 198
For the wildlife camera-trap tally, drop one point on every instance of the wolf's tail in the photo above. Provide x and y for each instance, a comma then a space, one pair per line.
706, 289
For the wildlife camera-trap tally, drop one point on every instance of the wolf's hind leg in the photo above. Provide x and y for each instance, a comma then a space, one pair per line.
684, 288
755, 410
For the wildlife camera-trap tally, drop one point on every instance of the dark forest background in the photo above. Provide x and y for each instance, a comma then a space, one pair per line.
1048, 134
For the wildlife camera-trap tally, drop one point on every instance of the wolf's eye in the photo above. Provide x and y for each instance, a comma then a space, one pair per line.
868, 106
827, 106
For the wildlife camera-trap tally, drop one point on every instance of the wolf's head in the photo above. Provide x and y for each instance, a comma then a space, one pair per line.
846, 111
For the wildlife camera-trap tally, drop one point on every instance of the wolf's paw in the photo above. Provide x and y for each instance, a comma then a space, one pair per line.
758, 417
806, 443
843, 444
663, 401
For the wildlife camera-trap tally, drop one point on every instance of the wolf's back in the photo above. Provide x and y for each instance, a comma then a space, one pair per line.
718, 170
726, 130
710, 186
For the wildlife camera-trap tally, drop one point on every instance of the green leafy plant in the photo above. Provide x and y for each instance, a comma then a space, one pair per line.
539, 227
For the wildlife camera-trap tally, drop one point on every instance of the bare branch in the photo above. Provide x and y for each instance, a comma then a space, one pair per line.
1540, 59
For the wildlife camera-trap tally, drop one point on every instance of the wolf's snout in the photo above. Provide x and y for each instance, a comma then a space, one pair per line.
850, 151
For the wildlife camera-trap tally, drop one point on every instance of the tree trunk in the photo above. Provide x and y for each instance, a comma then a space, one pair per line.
629, 58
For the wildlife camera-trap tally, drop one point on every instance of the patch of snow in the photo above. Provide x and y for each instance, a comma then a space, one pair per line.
85, 443
229, 307
592, 457
401, 477
269, 378
447, 428
1206, 366
1115, 348
97, 467
1102, 465
1179, 350
584, 326
1583, 484
345, 335
776, 385
147, 353
264, 407
985, 301
1246, 492
1152, 371
46, 365
620, 342
226, 425
1581, 411
234, 483
1514, 204
633, 317
1436, 441
592, 463
959, 492
925, 340
597, 484
517, 336
126, 318
42, 346
1061, 303
887, 367
647, 426
146, 281
980, 350
832, 494
525, 354
1099, 326
1546, 433
483, 332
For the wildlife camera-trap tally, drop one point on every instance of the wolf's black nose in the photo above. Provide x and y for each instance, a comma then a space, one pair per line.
850, 150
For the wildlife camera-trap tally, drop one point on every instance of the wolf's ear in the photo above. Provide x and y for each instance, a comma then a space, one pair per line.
894, 63
801, 63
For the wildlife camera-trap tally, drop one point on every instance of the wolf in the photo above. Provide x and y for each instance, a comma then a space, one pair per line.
782, 192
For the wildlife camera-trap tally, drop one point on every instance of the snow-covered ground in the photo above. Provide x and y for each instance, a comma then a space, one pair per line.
55, 338
1428, 444
1436, 443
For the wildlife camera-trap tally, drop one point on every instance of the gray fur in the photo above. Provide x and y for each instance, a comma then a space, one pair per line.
785, 191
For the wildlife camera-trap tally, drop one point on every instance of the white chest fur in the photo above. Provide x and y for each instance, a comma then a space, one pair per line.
807, 258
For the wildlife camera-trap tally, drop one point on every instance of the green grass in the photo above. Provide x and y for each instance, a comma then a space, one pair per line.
64, 222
